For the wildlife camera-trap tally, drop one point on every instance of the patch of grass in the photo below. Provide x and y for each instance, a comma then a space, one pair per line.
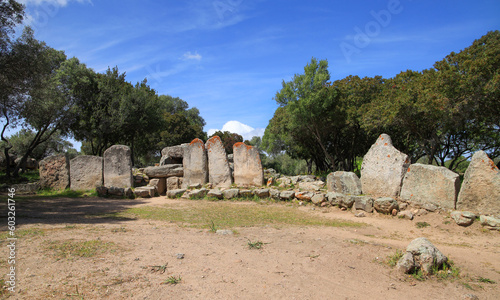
229, 215
467, 286
419, 275
173, 280
357, 242
67, 193
121, 229
392, 260
449, 271
422, 224
20, 233
65, 249
26, 177
485, 280
255, 245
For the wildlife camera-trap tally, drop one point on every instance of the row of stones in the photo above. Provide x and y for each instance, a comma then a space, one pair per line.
385, 171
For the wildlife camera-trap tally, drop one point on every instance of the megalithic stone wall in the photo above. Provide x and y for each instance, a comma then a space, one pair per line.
431, 184
480, 191
195, 163
86, 172
383, 168
54, 172
247, 166
118, 167
219, 173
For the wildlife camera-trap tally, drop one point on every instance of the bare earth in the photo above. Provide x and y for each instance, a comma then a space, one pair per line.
294, 263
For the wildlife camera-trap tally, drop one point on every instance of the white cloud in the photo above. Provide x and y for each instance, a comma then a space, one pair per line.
244, 130
191, 56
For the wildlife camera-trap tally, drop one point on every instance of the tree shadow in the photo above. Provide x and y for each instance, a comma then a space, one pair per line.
61, 210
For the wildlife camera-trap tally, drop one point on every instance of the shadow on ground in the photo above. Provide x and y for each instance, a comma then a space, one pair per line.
92, 210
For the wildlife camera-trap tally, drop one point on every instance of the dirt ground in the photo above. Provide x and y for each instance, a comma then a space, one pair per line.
293, 263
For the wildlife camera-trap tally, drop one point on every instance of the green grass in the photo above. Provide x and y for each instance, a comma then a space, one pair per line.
485, 280
226, 215
173, 280
68, 249
255, 245
67, 193
20, 233
392, 260
422, 224
26, 177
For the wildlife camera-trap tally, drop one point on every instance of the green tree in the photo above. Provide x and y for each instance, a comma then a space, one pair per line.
228, 139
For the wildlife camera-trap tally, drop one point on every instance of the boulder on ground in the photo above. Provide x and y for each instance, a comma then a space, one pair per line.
480, 191
175, 193
145, 192
275, 194
215, 193
346, 201
198, 193
117, 169
230, 193
246, 193
195, 162
219, 172
120, 192
405, 214
311, 185
421, 254
86, 172
385, 205
363, 203
318, 198
304, 196
424, 184
334, 198
383, 169
160, 184
346, 183
248, 169
463, 218
54, 172
261, 193
287, 195
490, 222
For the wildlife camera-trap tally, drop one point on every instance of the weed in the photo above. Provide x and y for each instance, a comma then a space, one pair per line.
173, 280
422, 224
77, 294
255, 245
485, 280
121, 229
448, 271
467, 286
160, 269
392, 260
213, 227
447, 222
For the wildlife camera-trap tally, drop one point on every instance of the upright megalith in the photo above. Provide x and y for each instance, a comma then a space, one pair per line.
54, 172
86, 172
219, 173
117, 170
195, 163
480, 191
383, 168
424, 184
247, 166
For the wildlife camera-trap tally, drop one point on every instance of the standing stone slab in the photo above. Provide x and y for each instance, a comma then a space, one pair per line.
248, 169
425, 184
219, 173
118, 167
85, 172
346, 183
195, 163
480, 190
383, 169
54, 172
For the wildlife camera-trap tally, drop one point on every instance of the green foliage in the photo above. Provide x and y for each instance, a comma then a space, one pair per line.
228, 139
173, 280
392, 260
422, 224
67, 193
255, 245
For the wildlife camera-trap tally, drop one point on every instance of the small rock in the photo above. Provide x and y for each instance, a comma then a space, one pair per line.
463, 218
180, 255
405, 214
403, 206
224, 232
470, 297
360, 215
430, 207
491, 222
318, 198
421, 212
394, 212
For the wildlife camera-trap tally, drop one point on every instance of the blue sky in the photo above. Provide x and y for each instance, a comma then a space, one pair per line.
229, 57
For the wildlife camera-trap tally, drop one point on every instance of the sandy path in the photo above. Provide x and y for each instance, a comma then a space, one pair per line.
294, 263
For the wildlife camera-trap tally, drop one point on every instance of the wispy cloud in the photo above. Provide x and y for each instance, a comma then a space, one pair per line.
52, 2
191, 56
